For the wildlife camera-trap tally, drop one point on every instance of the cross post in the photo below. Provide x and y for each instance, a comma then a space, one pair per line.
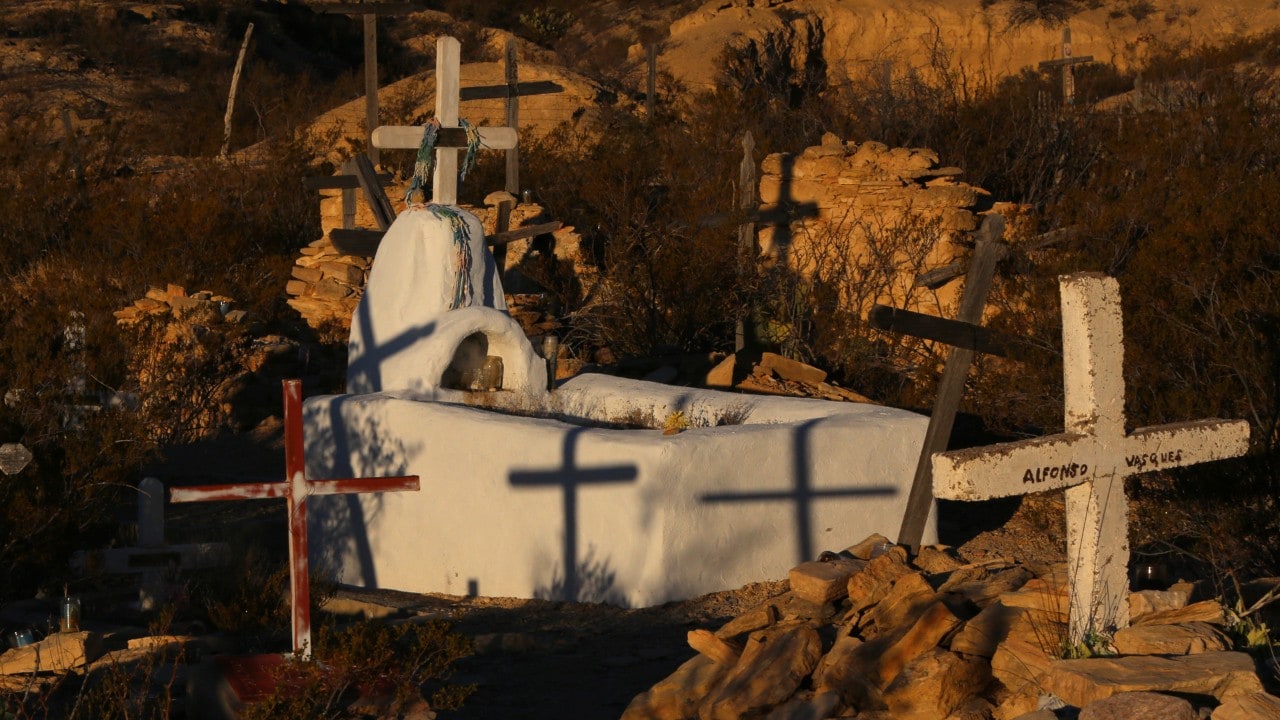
295, 490
1091, 458
444, 186
988, 252
1067, 63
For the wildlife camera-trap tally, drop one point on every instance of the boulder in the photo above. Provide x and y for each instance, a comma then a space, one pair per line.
1184, 639
1220, 674
678, 696
1209, 611
867, 587
924, 635
772, 666
935, 684
1253, 706
910, 596
823, 582
983, 633
56, 653
1139, 706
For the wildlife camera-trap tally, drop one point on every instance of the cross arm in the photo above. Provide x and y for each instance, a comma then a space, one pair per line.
1170, 446
362, 485
201, 493
1060, 62
1014, 468
401, 137
498, 92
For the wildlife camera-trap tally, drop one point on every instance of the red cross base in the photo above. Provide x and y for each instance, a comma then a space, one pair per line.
295, 490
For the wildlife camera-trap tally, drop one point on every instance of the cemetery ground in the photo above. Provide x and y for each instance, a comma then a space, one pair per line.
532, 658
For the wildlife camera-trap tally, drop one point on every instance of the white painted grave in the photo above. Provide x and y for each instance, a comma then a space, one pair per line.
545, 504
1091, 458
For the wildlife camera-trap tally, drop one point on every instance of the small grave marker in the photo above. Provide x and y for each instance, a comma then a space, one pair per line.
1091, 458
1067, 63
152, 558
444, 185
14, 458
295, 490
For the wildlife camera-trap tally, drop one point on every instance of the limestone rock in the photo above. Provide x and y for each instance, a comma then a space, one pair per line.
848, 668
984, 632
770, 670
1184, 639
1254, 706
1139, 706
719, 650
983, 584
1027, 654
924, 635
935, 684
866, 588
822, 582
56, 653
678, 696
722, 374
789, 369
756, 619
910, 596
1047, 596
863, 550
936, 560
1209, 611
1221, 674
1145, 602
816, 707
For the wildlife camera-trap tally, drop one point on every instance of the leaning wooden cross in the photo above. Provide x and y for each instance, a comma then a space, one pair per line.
452, 137
1092, 458
295, 490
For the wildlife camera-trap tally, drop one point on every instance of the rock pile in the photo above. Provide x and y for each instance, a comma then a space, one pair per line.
876, 634
174, 301
869, 207
326, 286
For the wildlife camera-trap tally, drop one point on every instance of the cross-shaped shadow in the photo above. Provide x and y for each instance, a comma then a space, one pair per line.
570, 477
802, 492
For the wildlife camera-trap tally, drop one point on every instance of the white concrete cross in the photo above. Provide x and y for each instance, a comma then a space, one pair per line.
1091, 458
451, 138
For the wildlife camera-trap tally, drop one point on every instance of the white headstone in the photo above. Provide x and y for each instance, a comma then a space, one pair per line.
1091, 458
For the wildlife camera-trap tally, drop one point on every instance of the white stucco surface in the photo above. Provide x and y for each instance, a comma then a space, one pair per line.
410, 288
638, 518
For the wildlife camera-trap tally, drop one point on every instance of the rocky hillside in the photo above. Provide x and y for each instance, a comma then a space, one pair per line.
854, 39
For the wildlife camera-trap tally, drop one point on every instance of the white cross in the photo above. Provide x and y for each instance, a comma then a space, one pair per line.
1091, 458
448, 81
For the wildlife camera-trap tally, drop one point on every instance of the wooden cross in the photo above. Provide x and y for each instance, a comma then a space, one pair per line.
451, 138
1067, 63
151, 558
1091, 458
988, 251
369, 12
295, 490
570, 477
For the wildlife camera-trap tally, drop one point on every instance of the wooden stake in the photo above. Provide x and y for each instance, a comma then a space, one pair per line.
371, 85
231, 96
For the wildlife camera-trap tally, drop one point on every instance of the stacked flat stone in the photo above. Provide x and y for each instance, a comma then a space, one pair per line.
325, 285
876, 632
173, 300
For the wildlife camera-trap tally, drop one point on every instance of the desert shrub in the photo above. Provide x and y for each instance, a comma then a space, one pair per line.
390, 665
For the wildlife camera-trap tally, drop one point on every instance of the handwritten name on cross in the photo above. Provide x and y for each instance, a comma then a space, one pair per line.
1091, 458
444, 184
295, 490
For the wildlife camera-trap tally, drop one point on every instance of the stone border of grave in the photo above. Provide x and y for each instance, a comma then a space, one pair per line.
895, 636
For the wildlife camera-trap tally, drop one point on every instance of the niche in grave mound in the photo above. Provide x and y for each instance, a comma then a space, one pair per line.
433, 315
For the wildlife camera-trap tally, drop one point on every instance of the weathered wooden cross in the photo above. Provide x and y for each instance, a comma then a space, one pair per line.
1067, 63
452, 137
295, 490
1091, 458
152, 558
966, 337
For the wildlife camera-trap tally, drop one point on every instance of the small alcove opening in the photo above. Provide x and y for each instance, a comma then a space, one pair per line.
472, 367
